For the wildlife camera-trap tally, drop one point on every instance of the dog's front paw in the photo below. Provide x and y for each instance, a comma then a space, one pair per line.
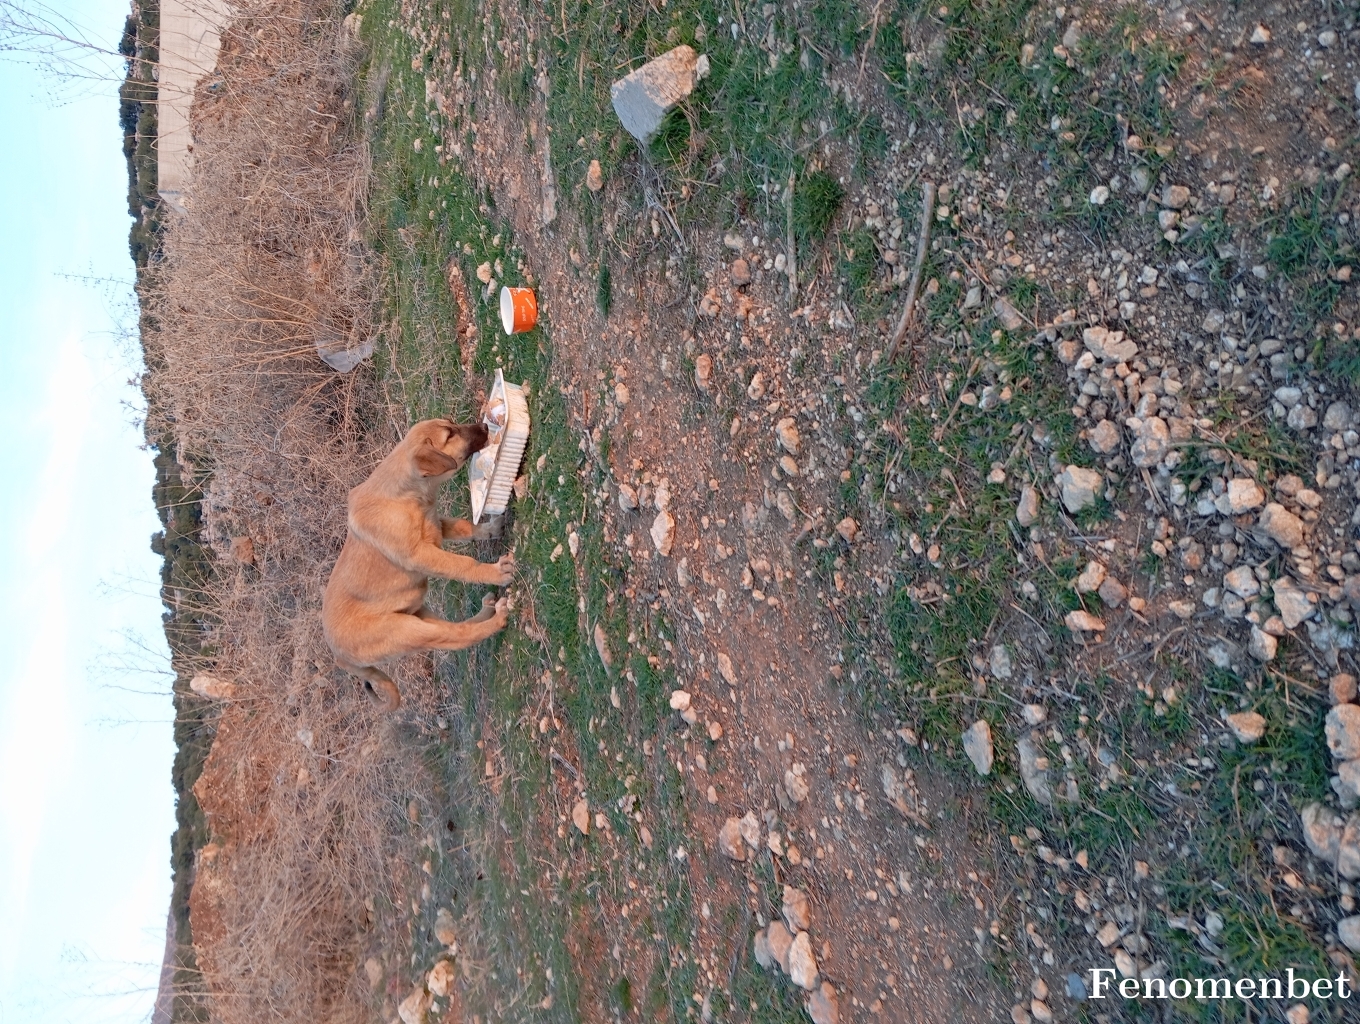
503, 571
502, 615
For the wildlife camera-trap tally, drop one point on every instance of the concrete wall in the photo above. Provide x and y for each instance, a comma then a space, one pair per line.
188, 48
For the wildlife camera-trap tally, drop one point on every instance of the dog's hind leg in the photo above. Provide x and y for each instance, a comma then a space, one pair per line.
408, 634
377, 684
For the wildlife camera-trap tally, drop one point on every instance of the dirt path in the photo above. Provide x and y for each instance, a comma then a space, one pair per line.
904, 903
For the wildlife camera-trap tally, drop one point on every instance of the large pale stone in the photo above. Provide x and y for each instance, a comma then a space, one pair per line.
663, 532
796, 910
1079, 487
1291, 602
644, 97
1027, 511
1104, 437
977, 744
414, 1007
1348, 931
1321, 831
802, 963
824, 1007
1243, 495
1034, 771
1091, 578
779, 940
730, 843
1343, 732
1151, 441
1079, 621
1281, 526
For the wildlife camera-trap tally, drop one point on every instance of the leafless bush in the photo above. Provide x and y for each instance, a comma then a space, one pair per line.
304, 787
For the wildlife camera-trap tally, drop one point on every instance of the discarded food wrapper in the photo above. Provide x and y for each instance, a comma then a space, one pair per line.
492, 471
519, 309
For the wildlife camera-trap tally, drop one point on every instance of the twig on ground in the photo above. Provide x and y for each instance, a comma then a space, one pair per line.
791, 256
922, 245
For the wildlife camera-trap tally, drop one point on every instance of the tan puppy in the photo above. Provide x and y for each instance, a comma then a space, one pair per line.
374, 609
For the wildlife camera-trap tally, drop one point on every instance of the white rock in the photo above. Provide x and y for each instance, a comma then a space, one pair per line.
680, 700
1348, 931
415, 1006
1262, 646
1288, 396
1027, 511
580, 816
779, 940
977, 744
1242, 581
1125, 964
802, 964
795, 782
440, 979
1079, 487
823, 1006
1321, 831
1033, 714
1104, 437
730, 843
663, 532
1337, 417
726, 670
1151, 440
750, 830
1112, 592
1260, 35
848, 529
628, 498
1034, 771
796, 912
1009, 316
444, 929
1091, 578
786, 430
1247, 726
1291, 602
1343, 732
1243, 495
1301, 418
1348, 775
1100, 195
999, 662
643, 97
1281, 526
1079, 621
703, 371
602, 648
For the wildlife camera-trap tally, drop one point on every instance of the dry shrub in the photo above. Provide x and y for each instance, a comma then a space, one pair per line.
305, 787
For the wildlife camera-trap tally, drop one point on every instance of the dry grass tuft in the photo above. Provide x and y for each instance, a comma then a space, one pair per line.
305, 787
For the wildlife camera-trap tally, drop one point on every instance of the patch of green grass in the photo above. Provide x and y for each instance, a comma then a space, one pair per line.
816, 199
1307, 243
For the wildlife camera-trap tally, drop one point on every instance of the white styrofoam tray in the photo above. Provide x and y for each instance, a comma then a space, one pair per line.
492, 471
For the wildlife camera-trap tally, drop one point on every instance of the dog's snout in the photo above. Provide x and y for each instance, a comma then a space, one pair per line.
475, 434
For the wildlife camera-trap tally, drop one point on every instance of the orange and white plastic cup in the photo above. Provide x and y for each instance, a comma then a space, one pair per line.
519, 310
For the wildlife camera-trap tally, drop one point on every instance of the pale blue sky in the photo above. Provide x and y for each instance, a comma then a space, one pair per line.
86, 806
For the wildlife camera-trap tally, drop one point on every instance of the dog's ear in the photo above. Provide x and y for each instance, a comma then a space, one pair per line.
432, 462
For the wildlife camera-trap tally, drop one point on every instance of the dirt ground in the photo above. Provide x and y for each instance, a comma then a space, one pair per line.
992, 732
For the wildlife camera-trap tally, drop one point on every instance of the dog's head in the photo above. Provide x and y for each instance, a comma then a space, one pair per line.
440, 447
